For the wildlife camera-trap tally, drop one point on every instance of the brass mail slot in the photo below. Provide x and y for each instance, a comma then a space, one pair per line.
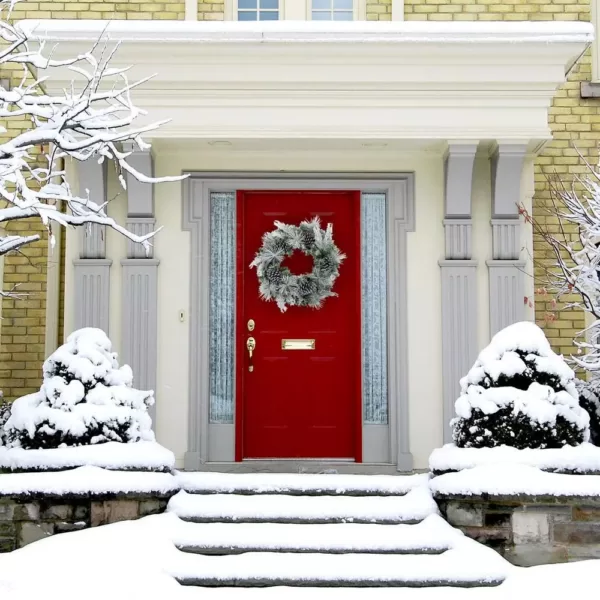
297, 344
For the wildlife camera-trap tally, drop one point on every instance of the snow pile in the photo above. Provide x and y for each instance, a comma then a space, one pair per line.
141, 456
87, 481
519, 393
573, 459
85, 398
514, 480
589, 400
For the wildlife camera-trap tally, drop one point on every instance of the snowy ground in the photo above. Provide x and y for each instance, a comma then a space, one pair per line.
131, 560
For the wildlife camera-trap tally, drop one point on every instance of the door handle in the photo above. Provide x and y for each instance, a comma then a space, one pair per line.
250, 345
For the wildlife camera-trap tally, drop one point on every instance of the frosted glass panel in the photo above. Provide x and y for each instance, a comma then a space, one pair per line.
374, 307
222, 306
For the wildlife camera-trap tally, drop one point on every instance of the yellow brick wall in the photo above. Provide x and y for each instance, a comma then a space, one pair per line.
379, 10
211, 10
575, 124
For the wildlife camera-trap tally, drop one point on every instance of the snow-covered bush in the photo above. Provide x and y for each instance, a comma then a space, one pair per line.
519, 393
85, 398
589, 399
4, 415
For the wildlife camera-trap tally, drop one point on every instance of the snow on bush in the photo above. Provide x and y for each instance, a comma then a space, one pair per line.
85, 398
519, 393
589, 399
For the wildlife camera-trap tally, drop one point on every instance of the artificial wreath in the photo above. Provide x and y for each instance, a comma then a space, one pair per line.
277, 283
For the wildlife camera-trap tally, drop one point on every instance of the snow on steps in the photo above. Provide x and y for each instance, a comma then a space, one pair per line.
299, 484
259, 569
432, 536
277, 508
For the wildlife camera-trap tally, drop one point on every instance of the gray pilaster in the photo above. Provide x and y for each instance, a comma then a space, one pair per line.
459, 277
140, 281
506, 271
92, 268
139, 337
92, 292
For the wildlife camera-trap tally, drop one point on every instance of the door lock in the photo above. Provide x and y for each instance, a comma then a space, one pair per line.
251, 325
250, 345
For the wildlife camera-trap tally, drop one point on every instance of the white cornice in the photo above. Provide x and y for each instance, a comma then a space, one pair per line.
328, 80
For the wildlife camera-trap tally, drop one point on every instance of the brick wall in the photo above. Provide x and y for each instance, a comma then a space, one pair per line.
379, 10
575, 124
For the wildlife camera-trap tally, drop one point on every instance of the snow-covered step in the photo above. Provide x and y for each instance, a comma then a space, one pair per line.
452, 568
411, 508
431, 536
299, 484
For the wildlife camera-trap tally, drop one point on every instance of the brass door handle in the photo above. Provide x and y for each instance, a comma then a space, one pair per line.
250, 345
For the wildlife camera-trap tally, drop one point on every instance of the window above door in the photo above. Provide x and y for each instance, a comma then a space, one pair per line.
296, 10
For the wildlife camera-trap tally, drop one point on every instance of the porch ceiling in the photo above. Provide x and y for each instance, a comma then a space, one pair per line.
339, 81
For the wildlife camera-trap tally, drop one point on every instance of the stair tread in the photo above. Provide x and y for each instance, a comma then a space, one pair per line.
431, 535
413, 507
296, 483
454, 567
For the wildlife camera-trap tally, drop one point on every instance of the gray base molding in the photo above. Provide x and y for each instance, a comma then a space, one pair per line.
506, 293
139, 343
92, 292
459, 329
292, 466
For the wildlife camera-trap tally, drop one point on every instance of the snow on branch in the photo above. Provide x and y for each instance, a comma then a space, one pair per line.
89, 121
573, 235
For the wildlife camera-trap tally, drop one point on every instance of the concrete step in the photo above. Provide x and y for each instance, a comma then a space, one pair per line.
431, 536
267, 508
257, 569
292, 484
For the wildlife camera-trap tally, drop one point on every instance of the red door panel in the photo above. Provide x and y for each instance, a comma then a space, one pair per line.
299, 403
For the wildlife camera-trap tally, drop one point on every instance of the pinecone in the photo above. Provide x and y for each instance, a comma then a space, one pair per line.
307, 235
307, 286
326, 266
274, 275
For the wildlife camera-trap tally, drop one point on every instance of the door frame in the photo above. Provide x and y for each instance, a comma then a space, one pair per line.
211, 446
241, 333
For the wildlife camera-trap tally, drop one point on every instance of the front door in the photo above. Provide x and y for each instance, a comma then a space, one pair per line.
299, 403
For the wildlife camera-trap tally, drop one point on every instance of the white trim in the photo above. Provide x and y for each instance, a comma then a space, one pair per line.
191, 10
596, 45
397, 10
51, 341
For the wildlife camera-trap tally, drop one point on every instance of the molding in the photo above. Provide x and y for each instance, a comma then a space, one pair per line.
507, 166
191, 10
92, 293
139, 341
140, 195
367, 80
458, 176
92, 177
458, 235
506, 279
401, 219
459, 330
506, 239
397, 10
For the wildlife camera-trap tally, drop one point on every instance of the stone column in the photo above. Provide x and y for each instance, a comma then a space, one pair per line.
140, 280
92, 268
506, 271
459, 277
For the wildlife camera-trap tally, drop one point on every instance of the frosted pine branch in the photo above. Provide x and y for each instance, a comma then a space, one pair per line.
90, 120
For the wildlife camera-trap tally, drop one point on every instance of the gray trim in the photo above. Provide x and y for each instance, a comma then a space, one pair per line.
221, 442
401, 211
458, 234
459, 331
92, 292
140, 226
506, 293
376, 443
590, 90
298, 466
140, 195
92, 178
458, 177
506, 239
507, 165
140, 321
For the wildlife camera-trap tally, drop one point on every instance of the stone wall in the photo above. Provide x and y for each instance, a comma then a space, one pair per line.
529, 530
24, 519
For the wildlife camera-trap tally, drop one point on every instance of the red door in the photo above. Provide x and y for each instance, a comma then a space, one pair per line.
299, 403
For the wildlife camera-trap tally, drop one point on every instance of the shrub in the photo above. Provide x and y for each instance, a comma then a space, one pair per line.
519, 393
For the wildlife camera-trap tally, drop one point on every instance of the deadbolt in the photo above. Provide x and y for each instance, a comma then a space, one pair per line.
250, 325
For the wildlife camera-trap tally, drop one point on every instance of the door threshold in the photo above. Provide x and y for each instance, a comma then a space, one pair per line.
300, 466
319, 460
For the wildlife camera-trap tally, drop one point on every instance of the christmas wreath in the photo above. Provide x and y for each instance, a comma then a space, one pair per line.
277, 283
